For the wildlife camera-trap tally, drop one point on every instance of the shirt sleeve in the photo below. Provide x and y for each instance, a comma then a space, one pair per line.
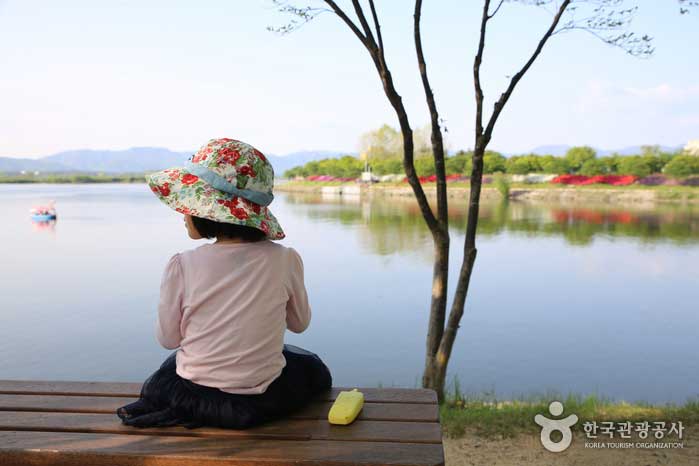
298, 311
170, 305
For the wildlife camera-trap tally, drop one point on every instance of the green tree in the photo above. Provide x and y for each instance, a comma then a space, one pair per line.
456, 163
493, 162
346, 166
554, 165
682, 165
634, 165
522, 164
611, 163
577, 156
381, 143
387, 166
424, 166
657, 157
593, 167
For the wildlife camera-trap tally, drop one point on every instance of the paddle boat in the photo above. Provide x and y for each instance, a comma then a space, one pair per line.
43, 213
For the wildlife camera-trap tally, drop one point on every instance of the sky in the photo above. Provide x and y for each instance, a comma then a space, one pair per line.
80, 74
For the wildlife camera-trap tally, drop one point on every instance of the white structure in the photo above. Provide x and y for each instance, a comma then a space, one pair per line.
692, 147
368, 177
533, 178
391, 178
346, 190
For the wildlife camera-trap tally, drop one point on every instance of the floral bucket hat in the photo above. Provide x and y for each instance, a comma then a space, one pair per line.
226, 181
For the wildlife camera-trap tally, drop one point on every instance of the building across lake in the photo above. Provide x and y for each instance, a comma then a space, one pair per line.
692, 147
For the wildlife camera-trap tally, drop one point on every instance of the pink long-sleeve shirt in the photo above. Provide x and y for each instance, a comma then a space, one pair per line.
226, 306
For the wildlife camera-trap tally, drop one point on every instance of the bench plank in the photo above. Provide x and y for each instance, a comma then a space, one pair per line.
360, 431
124, 389
79, 449
74, 423
316, 410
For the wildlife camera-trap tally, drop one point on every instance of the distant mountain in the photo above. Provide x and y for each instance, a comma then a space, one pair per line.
635, 150
143, 159
135, 160
555, 149
16, 165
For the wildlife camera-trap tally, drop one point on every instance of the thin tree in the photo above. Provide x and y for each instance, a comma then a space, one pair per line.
607, 20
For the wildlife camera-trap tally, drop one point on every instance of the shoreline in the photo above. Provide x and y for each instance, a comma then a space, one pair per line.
500, 433
636, 194
520, 192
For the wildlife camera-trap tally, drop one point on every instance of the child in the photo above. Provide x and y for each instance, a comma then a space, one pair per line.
227, 304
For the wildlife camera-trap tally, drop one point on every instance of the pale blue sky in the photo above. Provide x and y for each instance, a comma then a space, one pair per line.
116, 74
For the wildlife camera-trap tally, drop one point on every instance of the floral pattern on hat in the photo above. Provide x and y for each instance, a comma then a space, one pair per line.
238, 163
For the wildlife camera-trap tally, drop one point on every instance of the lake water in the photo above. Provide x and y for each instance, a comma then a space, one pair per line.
569, 299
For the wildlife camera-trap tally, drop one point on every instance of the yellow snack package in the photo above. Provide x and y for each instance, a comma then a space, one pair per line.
346, 407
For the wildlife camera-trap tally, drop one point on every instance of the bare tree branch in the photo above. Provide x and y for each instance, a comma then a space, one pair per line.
343, 16
304, 15
685, 5
482, 139
504, 97
436, 133
608, 21
477, 70
397, 103
496, 9
438, 306
362, 20
377, 26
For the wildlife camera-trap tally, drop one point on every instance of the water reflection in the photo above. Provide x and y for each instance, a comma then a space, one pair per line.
44, 226
393, 224
613, 309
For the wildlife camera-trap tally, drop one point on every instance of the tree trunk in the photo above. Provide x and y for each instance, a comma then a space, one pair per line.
436, 367
440, 339
435, 327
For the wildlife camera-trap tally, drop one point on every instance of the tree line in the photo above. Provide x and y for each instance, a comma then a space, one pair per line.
582, 160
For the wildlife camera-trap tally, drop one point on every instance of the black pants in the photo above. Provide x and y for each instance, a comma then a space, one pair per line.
167, 399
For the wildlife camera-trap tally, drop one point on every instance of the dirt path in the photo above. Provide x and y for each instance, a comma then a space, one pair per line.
527, 450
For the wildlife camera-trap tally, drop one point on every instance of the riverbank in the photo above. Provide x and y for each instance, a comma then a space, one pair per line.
525, 192
72, 178
526, 449
543, 192
482, 431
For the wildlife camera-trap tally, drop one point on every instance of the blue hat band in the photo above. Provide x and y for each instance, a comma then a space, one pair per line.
222, 184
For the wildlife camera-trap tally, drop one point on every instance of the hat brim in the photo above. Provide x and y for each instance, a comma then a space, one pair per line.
188, 194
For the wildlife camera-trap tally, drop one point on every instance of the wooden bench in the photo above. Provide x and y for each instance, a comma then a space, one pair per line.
74, 423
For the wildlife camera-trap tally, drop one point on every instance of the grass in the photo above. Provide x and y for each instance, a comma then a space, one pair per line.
489, 417
502, 184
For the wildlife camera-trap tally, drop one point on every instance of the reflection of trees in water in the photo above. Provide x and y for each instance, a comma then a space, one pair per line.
392, 224
388, 225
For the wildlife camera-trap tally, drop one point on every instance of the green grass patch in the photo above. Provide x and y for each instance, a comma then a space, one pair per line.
489, 417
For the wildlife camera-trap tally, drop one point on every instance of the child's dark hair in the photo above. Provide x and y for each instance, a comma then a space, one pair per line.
211, 229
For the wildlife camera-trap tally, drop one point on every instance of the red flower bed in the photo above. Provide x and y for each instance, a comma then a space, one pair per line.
580, 180
433, 178
594, 217
328, 178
